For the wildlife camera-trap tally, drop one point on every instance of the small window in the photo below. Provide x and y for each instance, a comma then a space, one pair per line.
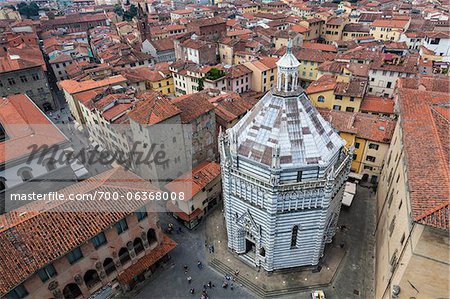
294, 236
336, 107
47, 272
19, 292
11, 81
141, 214
350, 109
321, 99
121, 226
74, 255
370, 158
99, 240
373, 146
23, 78
299, 176
338, 97
357, 144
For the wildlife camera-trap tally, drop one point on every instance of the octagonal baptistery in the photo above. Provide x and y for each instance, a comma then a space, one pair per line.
283, 172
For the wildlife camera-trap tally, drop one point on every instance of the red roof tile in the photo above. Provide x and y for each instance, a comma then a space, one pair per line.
377, 104
193, 106
40, 232
153, 108
425, 124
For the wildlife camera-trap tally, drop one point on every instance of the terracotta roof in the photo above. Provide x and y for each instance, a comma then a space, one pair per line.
25, 125
318, 46
358, 69
425, 124
356, 27
164, 44
324, 83
407, 64
153, 108
336, 21
308, 54
193, 106
194, 181
390, 23
229, 107
38, 233
166, 245
377, 104
72, 86
365, 126
354, 88
238, 70
265, 63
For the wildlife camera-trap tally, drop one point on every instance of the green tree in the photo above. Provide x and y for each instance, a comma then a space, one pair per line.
118, 10
130, 13
28, 10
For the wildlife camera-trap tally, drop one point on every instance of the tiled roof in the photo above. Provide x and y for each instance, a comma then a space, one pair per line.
365, 126
238, 70
72, 86
153, 108
354, 88
291, 124
193, 106
25, 125
166, 245
230, 106
40, 232
164, 44
425, 124
376, 104
194, 181
355, 27
390, 23
324, 83
265, 63
318, 46
408, 64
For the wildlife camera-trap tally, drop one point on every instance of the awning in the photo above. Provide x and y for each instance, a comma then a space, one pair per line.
347, 199
350, 187
147, 261
355, 175
186, 217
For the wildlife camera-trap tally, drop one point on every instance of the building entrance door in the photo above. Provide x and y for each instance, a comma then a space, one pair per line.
250, 246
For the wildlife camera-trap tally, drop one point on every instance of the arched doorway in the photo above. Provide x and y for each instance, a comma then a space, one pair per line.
124, 255
109, 266
71, 291
91, 278
151, 236
138, 246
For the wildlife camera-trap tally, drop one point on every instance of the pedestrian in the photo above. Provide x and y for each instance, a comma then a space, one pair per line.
236, 272
185, 267
212, 248
204, 287
209, 284
209, 248
192, 291
199, 265
179, 229
189, 279
231, 286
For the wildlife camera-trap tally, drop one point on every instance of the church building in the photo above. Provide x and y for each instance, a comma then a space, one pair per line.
283, 173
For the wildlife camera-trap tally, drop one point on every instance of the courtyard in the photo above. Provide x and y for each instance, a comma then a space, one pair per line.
351, 277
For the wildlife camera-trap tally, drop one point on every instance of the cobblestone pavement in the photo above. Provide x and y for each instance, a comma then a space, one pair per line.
172, 283
354, 278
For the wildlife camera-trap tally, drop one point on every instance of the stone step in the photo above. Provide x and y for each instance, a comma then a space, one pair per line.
224, 269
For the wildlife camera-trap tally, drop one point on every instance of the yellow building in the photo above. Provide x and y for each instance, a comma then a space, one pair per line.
331, 92
413, 205
369, 134
264, 73
389, 29
333, 28
201, 190
160, 82
314, 26
250, 8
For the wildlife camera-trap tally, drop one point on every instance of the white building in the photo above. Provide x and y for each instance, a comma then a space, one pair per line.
283, 174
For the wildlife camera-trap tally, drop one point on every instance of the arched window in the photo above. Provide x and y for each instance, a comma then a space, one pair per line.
25, 173
321, 99
91, 278
71, 291
50, 164
138, 246
124, 255
109, 266
151, 236
294, 236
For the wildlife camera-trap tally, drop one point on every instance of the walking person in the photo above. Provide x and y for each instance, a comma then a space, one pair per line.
199, 265
212, 248
189, 279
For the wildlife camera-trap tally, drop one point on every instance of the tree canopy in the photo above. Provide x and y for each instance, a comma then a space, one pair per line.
130, 13
28, 9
